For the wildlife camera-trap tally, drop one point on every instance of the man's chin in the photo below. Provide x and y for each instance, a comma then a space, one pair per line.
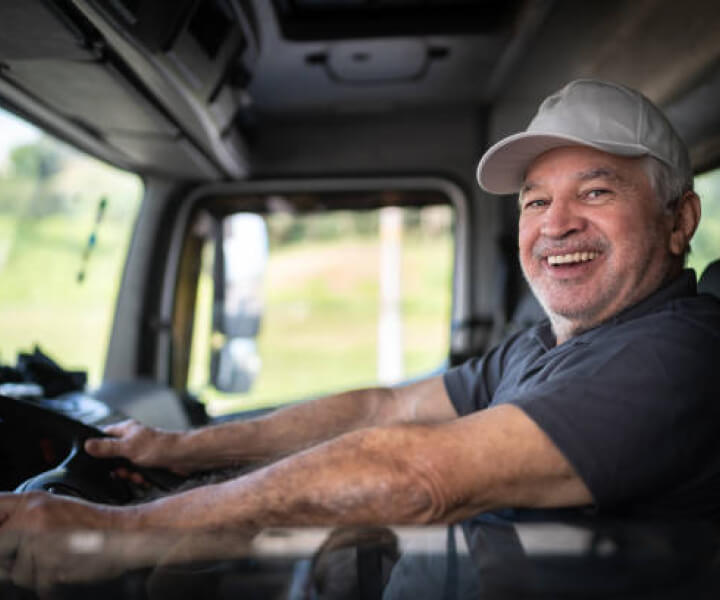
575, 318
568, 304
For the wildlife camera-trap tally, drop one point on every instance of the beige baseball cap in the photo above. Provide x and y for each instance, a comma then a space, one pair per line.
586, 112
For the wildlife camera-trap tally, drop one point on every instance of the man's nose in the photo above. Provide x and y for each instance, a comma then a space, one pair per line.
561, 219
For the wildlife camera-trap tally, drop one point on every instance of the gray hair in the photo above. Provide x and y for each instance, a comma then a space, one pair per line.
669, 185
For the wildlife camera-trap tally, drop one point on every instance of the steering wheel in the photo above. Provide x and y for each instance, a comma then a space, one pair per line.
80, 474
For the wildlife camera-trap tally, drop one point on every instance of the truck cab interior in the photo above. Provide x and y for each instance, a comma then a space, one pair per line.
290, 207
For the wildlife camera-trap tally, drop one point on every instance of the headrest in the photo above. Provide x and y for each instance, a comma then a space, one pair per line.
710, 281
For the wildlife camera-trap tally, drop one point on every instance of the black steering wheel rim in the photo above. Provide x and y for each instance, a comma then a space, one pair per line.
80, 474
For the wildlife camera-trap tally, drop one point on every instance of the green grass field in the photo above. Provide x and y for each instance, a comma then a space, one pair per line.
41, 301
319, 331
41, 254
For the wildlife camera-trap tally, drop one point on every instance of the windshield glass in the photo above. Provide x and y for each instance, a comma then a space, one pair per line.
340, 299
705, 245
65, 224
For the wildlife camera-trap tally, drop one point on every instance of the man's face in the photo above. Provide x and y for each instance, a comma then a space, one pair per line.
593, 236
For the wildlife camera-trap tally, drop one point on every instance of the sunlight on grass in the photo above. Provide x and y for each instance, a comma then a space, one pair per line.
44, 232
706, 241
319, 328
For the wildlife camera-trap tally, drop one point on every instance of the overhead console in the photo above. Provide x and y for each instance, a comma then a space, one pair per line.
154, 86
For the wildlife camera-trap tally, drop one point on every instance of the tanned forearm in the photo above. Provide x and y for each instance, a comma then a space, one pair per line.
289, 429
358, 478
301, 426
278, 434
400, 474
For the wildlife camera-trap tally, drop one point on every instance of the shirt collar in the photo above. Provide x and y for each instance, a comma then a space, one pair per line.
682, 286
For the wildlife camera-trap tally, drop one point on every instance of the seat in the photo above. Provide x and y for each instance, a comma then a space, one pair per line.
710, 280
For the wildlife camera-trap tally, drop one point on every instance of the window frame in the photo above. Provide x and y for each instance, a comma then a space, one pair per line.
168, 345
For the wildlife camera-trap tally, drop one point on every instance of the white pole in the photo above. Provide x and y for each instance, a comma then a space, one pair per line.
390, 366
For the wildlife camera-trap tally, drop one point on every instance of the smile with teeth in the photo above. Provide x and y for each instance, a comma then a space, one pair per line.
577, 257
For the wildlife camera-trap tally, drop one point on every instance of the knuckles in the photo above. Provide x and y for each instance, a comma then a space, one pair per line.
37, 510
143, 445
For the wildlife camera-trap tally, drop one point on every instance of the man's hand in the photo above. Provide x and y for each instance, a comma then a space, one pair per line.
47, 540
39, 561
33, 538
271, 437
142, 445
40, 511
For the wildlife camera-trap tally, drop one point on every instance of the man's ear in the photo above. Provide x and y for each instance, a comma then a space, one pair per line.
685, 222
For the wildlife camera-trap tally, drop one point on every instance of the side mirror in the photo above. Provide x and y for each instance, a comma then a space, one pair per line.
241, 252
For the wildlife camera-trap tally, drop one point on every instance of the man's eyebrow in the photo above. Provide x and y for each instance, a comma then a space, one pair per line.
526, 187
599, 173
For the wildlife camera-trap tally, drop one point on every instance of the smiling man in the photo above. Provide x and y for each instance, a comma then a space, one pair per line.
611, 403
606, 201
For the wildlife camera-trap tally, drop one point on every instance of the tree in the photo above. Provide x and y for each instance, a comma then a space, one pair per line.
38, 162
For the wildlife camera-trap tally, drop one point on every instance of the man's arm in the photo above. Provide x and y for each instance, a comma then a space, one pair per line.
396, 474
283, 432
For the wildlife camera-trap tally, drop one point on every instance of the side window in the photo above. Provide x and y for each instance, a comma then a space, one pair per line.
706, 242
343, 299
65, 225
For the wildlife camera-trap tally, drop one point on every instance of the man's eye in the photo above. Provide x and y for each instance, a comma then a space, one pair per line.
537, 203
596, 193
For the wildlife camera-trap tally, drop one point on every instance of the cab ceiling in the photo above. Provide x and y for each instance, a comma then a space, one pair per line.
186, 89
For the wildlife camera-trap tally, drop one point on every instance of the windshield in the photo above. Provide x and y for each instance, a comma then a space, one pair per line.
541, 558
65, 224
340, 299
705, 245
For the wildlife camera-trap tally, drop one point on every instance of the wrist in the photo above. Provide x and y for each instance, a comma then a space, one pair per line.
211, 447
173, 451
154, 515
126, 518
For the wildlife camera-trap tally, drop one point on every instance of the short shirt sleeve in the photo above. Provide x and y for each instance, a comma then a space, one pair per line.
472, 385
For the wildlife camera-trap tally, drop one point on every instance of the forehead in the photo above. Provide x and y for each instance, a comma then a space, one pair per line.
579, 163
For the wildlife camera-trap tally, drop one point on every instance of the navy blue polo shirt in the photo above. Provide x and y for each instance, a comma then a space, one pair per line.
633, 404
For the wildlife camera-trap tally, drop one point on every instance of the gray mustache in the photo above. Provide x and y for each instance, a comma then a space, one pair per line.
546, 248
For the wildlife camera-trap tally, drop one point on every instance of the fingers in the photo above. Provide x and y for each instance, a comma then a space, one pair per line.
132, 476
8, 501
103, 448
142, 445
22, 571
31, 569
121, 428
108, 447
137, 479
8, 538
8, 505
9, 541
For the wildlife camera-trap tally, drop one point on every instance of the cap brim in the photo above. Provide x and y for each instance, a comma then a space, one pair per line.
502, 168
